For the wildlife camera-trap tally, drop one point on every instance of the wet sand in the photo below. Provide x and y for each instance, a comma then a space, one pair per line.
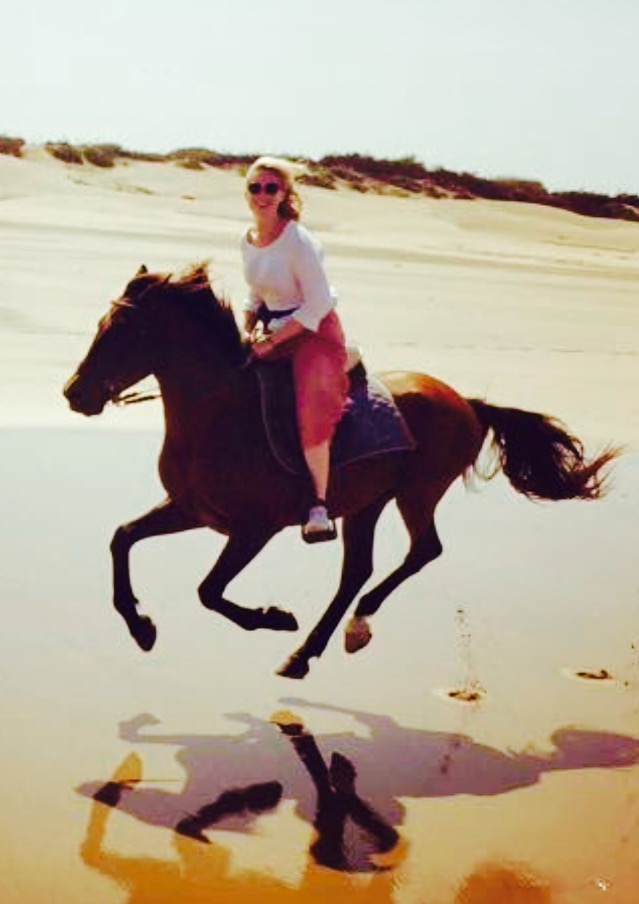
526, 792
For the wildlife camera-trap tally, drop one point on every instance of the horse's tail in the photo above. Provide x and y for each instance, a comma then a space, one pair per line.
540, 458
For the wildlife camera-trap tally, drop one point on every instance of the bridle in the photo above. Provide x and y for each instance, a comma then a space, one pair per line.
123, 397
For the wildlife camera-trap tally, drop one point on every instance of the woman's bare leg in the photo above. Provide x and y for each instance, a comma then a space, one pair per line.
319, 526
318, 462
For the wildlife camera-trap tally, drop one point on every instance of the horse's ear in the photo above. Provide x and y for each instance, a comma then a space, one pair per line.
142, 271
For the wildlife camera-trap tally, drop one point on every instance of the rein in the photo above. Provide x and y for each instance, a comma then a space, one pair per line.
132, 398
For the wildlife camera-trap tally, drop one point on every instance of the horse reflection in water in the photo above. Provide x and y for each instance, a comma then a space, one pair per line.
205, 872
337, 799
355, 786
219, 471
204, 869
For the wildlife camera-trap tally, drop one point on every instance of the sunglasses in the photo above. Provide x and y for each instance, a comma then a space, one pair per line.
269, 188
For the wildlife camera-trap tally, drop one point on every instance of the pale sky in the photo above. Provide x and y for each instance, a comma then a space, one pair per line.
541, 89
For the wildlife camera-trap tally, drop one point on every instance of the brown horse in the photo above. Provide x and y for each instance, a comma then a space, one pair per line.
219, 472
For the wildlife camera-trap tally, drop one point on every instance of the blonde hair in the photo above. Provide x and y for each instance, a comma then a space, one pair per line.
290, 207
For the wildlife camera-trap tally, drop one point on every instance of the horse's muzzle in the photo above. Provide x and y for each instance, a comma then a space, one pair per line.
81, 401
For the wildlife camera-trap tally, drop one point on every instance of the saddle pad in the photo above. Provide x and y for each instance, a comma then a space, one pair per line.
370, 425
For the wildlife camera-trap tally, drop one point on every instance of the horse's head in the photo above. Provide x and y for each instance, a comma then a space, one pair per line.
174, 328
120, 354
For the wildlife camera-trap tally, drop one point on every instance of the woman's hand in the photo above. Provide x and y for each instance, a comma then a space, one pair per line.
251, 323
262, 349
278, 344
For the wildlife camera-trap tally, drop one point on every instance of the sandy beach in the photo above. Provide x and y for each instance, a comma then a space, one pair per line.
526, 794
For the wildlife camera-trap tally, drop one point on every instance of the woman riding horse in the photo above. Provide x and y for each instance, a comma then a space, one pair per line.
219, 471
290, 294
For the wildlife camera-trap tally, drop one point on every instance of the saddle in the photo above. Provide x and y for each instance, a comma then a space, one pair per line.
371, 423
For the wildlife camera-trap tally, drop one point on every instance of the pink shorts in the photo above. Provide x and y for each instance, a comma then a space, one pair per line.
321, 384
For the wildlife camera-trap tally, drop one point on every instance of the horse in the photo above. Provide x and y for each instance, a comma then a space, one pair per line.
219, 472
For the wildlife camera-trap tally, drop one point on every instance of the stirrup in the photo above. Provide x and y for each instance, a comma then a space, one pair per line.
319, 528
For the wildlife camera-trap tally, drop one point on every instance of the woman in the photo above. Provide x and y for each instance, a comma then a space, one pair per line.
290, 294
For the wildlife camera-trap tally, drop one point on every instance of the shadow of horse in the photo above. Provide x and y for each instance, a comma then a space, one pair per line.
390, 763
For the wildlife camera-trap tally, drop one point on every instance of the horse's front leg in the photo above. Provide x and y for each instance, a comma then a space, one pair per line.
241, 548
166, 518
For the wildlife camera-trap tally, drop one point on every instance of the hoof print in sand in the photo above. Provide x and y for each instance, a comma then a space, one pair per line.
600, 675
463, 695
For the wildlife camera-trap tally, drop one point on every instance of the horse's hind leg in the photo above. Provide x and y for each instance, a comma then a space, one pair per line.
425, 546
240, 549
166, 518
358, 535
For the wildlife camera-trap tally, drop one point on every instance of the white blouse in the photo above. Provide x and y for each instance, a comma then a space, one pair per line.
289, 273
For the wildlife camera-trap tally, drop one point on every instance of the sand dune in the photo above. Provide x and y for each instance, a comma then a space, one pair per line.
521, 303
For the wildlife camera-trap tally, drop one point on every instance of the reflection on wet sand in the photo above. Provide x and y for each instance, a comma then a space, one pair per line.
203, 872
337, 780
337, 801
503, 884
256, 799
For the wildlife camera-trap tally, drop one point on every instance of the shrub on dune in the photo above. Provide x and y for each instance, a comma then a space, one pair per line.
319, 178
67, 153
103, 155
11, 146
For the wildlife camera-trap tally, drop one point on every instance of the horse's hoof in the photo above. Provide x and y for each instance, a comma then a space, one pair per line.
358, 634
296, 666
144, 633
191, 827
277, 620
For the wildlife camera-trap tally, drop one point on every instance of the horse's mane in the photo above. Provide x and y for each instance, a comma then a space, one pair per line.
193, 290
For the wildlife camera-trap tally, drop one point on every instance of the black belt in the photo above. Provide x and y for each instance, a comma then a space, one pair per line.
265, 315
